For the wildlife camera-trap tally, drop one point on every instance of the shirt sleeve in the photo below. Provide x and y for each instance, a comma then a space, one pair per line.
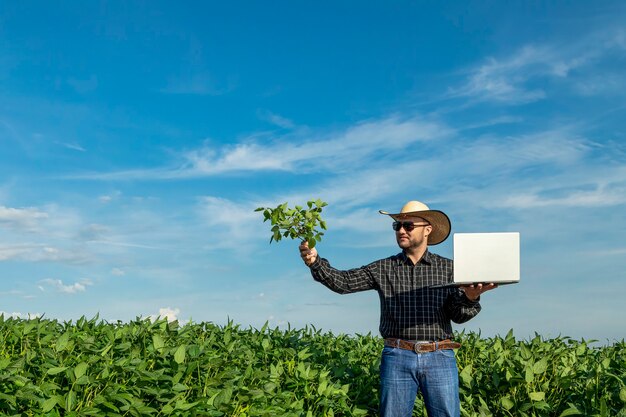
344, 282
459, 308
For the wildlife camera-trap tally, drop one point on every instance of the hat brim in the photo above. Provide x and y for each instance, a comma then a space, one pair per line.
438, 220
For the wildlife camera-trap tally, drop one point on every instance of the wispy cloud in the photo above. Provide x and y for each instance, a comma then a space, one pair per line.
493, 122
462, 163
231, 222
217, 210
365, 143
276, 119
601, 84
330, 152
560, 146
42, 253
611, 252
514, 79
598, 197
62, 235
503, 80
503, 165
72, 146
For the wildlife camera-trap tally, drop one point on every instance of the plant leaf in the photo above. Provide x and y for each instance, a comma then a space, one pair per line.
80, 370
537, 396
179, 355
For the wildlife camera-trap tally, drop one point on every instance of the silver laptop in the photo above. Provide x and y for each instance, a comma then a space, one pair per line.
483, 258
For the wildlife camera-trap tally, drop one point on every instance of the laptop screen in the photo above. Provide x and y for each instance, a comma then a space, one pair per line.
486, 257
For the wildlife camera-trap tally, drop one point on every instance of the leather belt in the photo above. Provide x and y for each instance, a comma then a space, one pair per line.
422, 347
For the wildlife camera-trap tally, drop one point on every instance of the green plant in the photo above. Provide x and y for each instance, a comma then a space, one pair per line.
296, 223
143, 368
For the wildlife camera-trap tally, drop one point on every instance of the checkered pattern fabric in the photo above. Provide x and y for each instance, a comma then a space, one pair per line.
409, 309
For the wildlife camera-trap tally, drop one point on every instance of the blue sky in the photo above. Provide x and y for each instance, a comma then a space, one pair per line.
137, 138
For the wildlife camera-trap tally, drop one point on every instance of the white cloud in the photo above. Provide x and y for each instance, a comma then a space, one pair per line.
17, 315
15, 252
118, 272
242, 157
74, 288
22, 218
170, 314
107, 198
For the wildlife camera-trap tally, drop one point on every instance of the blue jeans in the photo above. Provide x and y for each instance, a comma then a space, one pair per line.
435, 374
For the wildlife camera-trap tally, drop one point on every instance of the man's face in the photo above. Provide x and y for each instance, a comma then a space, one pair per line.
418, 237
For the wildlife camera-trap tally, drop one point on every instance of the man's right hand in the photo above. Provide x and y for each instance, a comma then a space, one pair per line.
308, 255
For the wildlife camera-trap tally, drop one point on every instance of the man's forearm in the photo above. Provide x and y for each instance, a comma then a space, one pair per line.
342, 282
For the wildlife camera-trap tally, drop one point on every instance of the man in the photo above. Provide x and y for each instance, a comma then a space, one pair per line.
414, 318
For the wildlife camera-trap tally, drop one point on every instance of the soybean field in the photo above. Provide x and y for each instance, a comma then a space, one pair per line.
157, 368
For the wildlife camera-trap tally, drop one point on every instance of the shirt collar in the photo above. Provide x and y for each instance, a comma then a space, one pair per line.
426, 258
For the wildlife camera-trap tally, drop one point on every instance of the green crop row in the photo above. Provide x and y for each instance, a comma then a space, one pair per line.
556, 377
144, 368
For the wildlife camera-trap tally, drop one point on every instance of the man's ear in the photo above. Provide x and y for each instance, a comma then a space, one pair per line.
428, 230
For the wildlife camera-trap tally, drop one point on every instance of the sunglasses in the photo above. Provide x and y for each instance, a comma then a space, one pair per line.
408, 226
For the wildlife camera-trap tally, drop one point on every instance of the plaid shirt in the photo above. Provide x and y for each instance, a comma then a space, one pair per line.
409, 309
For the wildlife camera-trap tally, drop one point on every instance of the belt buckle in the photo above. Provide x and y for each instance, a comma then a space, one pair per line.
421, 347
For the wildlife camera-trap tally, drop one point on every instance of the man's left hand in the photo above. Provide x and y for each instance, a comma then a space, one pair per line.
473, 291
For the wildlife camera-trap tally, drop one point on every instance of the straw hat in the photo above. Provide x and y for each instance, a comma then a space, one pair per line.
438, 219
